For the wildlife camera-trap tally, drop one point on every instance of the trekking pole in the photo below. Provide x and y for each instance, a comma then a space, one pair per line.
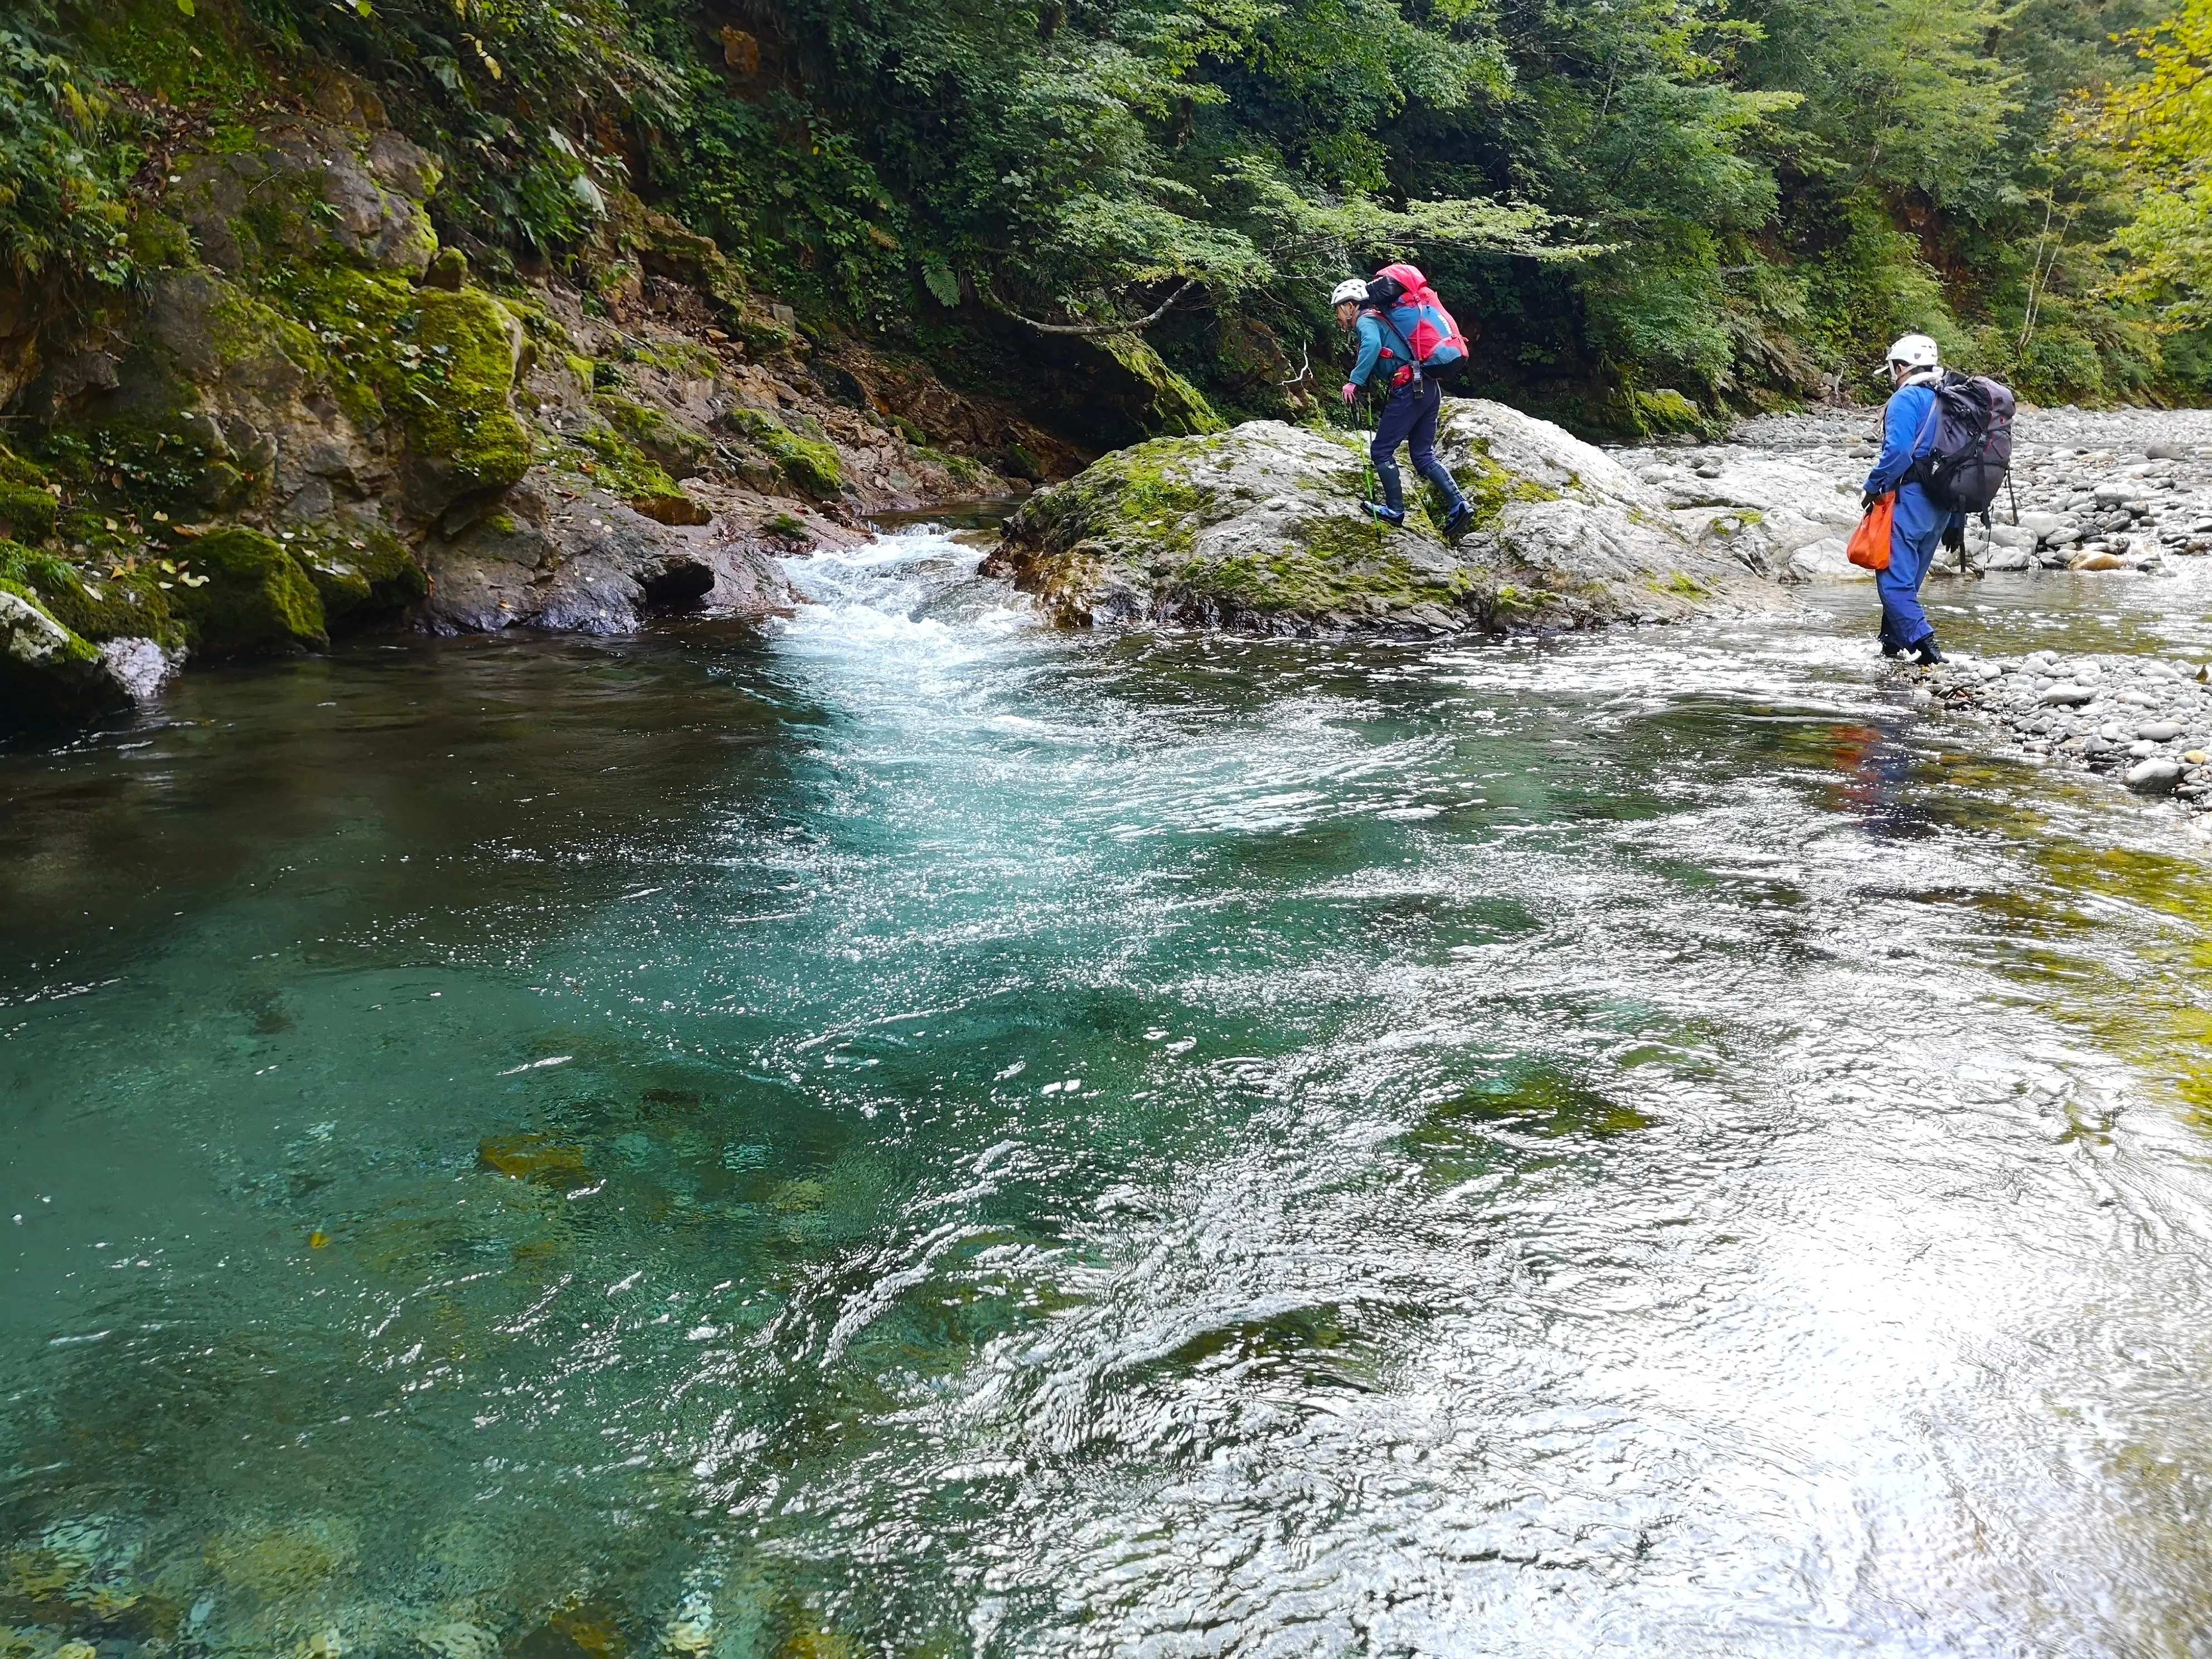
1365, 426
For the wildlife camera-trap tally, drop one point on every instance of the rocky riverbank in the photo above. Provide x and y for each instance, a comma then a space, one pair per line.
2105, 496
2146, 721
2096, 490
306, 416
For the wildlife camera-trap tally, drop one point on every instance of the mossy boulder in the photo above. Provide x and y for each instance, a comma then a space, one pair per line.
252, 598
808, 462
672, 445
308, 190
358, 573
1665, 410
49, 675
26, 505
1171, 404
464, 438
1263, 528
129, 601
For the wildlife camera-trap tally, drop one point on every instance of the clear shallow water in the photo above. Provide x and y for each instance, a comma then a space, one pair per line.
917, 1134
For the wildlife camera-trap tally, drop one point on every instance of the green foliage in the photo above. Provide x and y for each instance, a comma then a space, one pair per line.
2156, 133
1648, 210
508, 91
64, 166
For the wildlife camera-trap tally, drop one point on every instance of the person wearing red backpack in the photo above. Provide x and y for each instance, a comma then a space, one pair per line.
1405, 334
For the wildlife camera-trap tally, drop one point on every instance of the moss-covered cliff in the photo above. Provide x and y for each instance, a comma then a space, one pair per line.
282, 407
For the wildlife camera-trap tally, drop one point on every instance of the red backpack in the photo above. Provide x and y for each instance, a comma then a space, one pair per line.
1430, 344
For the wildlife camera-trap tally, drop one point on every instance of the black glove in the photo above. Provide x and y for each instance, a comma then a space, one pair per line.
1866, 501
1955, 535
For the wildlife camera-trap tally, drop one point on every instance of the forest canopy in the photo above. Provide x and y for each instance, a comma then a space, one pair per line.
1646, 207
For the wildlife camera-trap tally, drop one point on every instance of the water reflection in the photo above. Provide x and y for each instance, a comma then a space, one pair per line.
919, 1134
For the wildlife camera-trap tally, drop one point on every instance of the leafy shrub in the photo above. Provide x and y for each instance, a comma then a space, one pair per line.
63, 165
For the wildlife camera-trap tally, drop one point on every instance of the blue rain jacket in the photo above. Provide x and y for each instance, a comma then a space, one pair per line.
1908, 431
1369, 330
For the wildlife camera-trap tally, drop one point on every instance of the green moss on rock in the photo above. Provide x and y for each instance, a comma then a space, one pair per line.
158, 241
610, 459
665, 439
1134, 497
1338, 566
467, 424
257, 600
1667, 411
365, 323
809, 463
1176, 406
358, 573
1489, 486
963, 470
26, 505
131, 602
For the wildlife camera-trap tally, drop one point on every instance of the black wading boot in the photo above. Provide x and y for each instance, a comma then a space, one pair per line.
1391, 509
1925, 653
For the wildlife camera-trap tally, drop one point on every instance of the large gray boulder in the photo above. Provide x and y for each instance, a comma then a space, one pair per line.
1776, 513
1261, 528
579, 559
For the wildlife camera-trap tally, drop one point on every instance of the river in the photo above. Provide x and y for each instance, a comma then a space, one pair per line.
915, 1133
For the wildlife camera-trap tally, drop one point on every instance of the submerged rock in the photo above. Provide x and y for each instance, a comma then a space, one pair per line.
534, 1157
1263, 528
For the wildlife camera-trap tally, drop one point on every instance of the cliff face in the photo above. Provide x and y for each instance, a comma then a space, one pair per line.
305, 415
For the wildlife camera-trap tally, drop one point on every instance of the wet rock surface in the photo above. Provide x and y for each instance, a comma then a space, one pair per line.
1262, 529
48, 675
561, 555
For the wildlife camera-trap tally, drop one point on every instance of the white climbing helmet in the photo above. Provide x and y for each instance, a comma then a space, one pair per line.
1914, 352
1353, 288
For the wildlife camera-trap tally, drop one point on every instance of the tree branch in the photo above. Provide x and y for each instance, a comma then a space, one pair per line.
1094, 329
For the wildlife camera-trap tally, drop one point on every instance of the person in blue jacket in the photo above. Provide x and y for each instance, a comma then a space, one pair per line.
1908, 432
1409, 411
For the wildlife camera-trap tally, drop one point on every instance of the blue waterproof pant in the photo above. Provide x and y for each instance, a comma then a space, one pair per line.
1914, 540
1410, 418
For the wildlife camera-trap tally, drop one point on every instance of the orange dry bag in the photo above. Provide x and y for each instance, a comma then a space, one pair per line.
1869, 547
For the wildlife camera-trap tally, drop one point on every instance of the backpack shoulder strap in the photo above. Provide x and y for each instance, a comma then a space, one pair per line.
1934, 412
1383, 317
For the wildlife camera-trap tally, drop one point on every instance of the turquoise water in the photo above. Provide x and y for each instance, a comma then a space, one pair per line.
911, 1134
